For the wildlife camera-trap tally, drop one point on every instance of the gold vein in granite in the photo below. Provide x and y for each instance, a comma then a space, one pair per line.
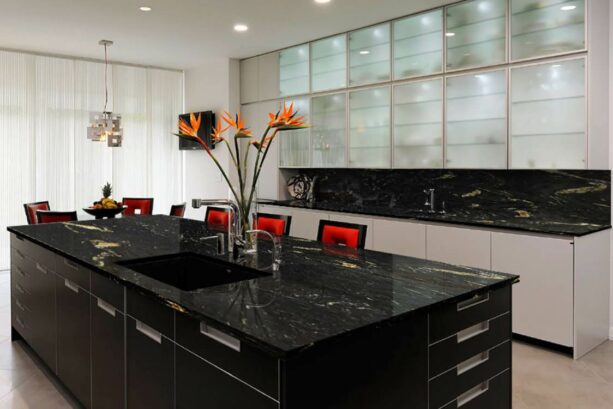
474, 193
598, 187
101, 244
522, 214
74, 228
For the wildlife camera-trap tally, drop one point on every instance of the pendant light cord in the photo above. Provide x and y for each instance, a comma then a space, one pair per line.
106, 85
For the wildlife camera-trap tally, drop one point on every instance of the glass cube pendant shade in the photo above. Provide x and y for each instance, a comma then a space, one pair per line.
105, 127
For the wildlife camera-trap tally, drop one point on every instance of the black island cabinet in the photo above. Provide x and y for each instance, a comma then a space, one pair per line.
117, 346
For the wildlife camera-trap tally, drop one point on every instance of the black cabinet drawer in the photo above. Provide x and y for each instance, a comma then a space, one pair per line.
21, 320
450, 319
492, 394
74, 272
227, 352
150, 312
451, 351
469, 374
24, 248
201, 385
108, 290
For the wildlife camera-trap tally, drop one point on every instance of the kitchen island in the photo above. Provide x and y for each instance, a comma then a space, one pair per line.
143, 312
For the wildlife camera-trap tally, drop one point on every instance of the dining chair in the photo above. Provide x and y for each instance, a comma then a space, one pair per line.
218, 217
177, 210
137, 206
276, 224
342, 234
49, 216
31, 209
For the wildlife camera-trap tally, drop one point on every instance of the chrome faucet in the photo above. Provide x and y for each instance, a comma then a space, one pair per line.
430, 200
234, 228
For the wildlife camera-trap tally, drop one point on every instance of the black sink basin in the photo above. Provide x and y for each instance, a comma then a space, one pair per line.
190, 271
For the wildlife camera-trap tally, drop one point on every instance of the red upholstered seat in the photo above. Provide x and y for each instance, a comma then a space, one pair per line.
218, 217
344, 234
275, 224
48, 216
31, 209
142, 206
177, 210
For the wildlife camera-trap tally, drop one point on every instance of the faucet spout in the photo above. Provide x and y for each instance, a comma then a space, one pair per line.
235, 227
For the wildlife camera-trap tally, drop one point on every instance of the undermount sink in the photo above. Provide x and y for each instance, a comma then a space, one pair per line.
190, 271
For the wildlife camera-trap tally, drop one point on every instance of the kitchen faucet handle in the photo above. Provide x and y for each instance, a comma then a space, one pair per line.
276, 259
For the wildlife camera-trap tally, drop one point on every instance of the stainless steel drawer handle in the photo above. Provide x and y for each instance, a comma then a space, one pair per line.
149, 332
21, 289
19, 321
20, 254
473, 394
473, 331
220, 337
21, 272
71, 286
106, 307
21, 307
473, 362
474, 301
71, 265
41, 268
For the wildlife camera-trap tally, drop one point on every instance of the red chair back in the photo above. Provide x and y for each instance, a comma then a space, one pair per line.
343, 234
218, 217
31, 209
177, 210
275, 224
143, 204
48, 216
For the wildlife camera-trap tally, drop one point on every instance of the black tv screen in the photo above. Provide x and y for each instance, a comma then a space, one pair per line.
206, 128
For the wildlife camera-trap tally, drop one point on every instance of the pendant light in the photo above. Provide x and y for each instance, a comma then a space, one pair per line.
105, 126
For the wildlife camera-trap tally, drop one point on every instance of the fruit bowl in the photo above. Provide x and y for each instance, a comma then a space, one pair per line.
102, 213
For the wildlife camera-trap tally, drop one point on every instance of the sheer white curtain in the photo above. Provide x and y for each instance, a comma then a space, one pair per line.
44, 152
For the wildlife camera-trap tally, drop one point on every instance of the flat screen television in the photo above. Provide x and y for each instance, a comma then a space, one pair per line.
206, 128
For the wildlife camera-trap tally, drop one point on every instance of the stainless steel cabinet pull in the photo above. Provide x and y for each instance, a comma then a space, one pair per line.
473, 362
71, 265
72, 286
474, 301
21, 272
41, 268
220, 337
21, 289
149, 332
19, 321
473, 394
21, 307
473, 331
20, 254
106, 307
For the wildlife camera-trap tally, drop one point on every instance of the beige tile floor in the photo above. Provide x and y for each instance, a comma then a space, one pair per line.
542, 379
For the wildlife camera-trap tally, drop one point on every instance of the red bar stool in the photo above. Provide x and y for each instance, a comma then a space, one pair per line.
31, 209
177, 210
276, 224
218, 217
143, 204
48, 216
342, 234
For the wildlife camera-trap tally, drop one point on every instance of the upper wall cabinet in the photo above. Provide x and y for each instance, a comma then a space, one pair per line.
476, 34
295, 145
476, 120
370, 55
418, 125
546, 27
329, 63
249, 80
268, 76
418, 45
294, 70
329, 130
548, 115
369, 121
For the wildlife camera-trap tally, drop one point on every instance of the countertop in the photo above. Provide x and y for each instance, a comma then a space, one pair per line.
521, 221
319, 293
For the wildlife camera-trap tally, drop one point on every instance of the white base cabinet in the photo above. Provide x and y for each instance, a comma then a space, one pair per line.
458, 245
399, 237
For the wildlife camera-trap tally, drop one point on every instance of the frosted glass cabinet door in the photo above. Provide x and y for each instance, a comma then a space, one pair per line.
418, 45
370, 51
476, 34
329, 130
476, 120
548, 115
418, 125
369, 136
329, 63
294, 70
546, 27
295, 146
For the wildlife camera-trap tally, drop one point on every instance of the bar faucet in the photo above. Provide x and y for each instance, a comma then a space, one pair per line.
430, 200
234, 228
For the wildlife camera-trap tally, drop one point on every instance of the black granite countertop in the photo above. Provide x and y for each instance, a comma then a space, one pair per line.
562, 226
318, 294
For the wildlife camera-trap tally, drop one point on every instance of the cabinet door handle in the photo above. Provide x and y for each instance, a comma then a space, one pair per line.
41, 268
21, 289
474, 301
20, 254
220, 337
106, 307
473, 362
472, 332
71, 265
19, 321
18, 303
71, 286
21, 272
149, 332
473, 394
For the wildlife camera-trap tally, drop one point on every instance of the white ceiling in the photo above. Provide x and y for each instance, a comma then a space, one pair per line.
183, 33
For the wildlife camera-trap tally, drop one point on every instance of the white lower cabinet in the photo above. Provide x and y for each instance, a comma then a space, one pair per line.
399, 237
460, 246
543, 299
305, 223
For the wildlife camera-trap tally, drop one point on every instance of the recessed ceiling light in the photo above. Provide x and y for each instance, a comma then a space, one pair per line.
241, 28
145, 8
568, 7
322, 1
364, 52
449, 34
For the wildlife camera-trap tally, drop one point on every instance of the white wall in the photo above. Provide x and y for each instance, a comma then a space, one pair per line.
213, 86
